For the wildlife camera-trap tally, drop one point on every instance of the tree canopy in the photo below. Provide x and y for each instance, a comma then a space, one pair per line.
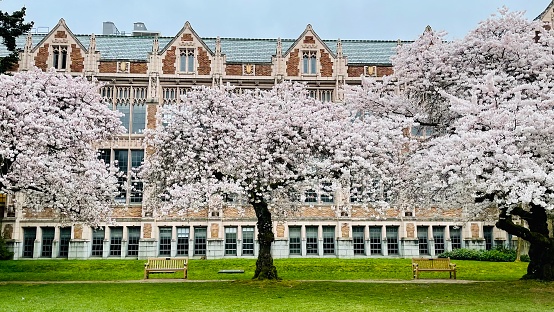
50, 125
488, 100
12, 26
266, 147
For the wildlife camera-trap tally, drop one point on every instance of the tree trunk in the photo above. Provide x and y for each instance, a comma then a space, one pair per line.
541, 246
264, 265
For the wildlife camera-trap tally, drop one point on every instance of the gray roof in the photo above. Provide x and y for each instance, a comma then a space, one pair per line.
237, 50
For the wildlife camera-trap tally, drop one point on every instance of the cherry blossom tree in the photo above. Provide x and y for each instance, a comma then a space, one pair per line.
50, 125
267, 147
489, 99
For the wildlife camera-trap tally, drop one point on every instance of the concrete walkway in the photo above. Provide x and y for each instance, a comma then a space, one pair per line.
167, 280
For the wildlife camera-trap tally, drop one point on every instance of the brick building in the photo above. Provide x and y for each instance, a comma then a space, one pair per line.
141, 73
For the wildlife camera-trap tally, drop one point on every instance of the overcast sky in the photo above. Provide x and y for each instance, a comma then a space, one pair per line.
331, 19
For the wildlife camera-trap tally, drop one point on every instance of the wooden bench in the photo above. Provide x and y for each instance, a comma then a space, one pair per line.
436, 264
166, 265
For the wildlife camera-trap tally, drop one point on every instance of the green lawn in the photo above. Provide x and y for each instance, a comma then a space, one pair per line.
500, 289
278, 296
288, 269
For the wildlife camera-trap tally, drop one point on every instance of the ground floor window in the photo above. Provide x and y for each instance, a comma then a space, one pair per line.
133, 238
165, 241
328, 240
183, 234
456, 237
29, 237
311, 240
230, 241
422, 232
65, 238
487, 233
438, 237
375, 246
392, 240
200, 235
248, 240
358, 240
116, 236
294, 240
47, 240
98, 242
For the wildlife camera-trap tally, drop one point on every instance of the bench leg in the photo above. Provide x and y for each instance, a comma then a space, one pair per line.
145, 274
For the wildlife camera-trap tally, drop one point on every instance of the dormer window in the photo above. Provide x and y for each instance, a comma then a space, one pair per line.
186, 60
59, 60
309, 62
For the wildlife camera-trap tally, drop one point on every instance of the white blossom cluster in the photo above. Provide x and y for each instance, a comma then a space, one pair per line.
265, 145
49, 125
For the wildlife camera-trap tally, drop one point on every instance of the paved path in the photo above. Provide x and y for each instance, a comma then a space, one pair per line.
167, 280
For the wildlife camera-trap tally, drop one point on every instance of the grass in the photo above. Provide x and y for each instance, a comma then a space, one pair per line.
288, 269
278, 296
502, 291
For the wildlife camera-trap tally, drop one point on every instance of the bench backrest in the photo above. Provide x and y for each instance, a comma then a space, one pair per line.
437, 263
169, 263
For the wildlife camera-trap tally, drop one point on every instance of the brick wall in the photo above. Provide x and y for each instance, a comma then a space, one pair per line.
384, 71
186, 37
293, 63
233, 69
263, 70
168, 63
127, 212
355, 71
77, 59
326, 64
430, 213
78, 231
280, 230
318, 212
42, 57
474, 230
204, 62
151, 111
138, 68
60, 34
309, 40
107, 67
45, 213
147, 230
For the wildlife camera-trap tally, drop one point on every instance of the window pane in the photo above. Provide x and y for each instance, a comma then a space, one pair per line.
311, 240
116, 236
422, 238
392, 240
165, 241
126, 117
182, 62
133, 240
139, 118
328, 240
230, 241
29, 236
248, 240
294, 240
190, 62
359, 241
456, 237
183, 240
438, 237
47, 239
65, 237
375, 246
97, 242
200, 235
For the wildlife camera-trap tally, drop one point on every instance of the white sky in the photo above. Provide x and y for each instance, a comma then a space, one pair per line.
331, 19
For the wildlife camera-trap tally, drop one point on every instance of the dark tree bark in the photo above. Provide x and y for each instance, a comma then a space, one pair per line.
541, 245
264, 265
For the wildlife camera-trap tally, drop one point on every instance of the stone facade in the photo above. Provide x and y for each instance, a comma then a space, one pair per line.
152, 80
